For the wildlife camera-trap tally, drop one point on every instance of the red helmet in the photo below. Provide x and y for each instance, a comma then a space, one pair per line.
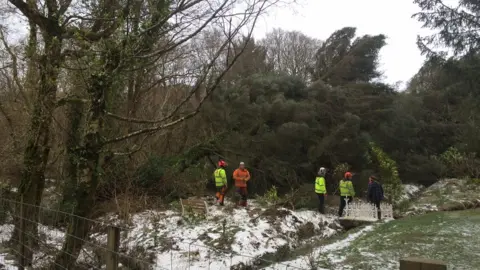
222, 163
348, 175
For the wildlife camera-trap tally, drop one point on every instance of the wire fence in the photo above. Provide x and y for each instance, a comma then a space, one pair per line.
43, 238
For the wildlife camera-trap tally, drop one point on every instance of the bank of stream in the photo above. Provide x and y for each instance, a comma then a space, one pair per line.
453, 237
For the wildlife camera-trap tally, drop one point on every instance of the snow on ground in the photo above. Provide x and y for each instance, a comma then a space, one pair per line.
305, 262
5, 261
410, 191
5, 232
49, 239
7, 264
227, 237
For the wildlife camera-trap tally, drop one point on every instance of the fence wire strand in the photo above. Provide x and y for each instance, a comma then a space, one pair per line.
36, 235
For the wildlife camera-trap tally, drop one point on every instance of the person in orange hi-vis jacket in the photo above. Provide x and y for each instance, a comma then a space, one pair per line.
241, 176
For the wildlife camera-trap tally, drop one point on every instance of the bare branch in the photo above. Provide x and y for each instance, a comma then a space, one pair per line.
71, 99
14, 67
208, 92
181, 7
197, 86
52, 7
64, 6
16, 144
134, 150
98, 31
35, 16
190, 36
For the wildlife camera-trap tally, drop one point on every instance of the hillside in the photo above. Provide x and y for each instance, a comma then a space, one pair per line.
445, 195
226, 237
381, 246
433, 226
265, 237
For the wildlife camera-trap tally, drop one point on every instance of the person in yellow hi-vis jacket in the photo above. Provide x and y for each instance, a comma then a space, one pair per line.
346, 192
321, 189
220, 181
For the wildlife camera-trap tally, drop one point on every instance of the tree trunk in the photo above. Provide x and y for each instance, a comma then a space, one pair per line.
75, 114
38, 148
89, 166
74, 135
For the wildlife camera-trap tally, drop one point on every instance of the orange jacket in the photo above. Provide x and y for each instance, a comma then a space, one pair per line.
241, 177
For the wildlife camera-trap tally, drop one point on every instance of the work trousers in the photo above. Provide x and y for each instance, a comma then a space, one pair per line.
321, 203
221, 194
242, 191
377, 205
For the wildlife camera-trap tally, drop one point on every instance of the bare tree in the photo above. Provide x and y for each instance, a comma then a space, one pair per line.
291, 52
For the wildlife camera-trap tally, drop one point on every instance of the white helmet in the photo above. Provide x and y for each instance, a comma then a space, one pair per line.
322, 171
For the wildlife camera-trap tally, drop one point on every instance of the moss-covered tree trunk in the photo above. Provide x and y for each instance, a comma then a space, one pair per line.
75, 116
38, 144
88, 158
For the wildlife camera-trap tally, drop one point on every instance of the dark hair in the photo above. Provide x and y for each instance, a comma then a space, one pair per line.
374, 178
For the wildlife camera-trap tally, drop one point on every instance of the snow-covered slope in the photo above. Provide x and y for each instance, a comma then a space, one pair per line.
231, 238
327, 252
410, 191
227, 237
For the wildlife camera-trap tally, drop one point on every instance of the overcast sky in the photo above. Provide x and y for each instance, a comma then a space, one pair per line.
400, 59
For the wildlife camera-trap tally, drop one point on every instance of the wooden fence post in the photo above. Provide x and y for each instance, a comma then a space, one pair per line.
113, 244
21, 236
421, 264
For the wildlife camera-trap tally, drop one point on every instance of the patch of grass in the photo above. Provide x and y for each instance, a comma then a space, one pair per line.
225, 239
306, 251
193, 218
403, 206
433, 236
474, 181
306, 231
280, 255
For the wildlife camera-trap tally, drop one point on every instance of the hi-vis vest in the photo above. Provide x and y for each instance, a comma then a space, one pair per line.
220, 177
320, 185
346, 188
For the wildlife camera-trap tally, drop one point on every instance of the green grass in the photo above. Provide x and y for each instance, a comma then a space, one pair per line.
453, 237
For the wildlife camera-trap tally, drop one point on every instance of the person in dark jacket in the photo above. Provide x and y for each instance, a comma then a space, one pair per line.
375, 193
